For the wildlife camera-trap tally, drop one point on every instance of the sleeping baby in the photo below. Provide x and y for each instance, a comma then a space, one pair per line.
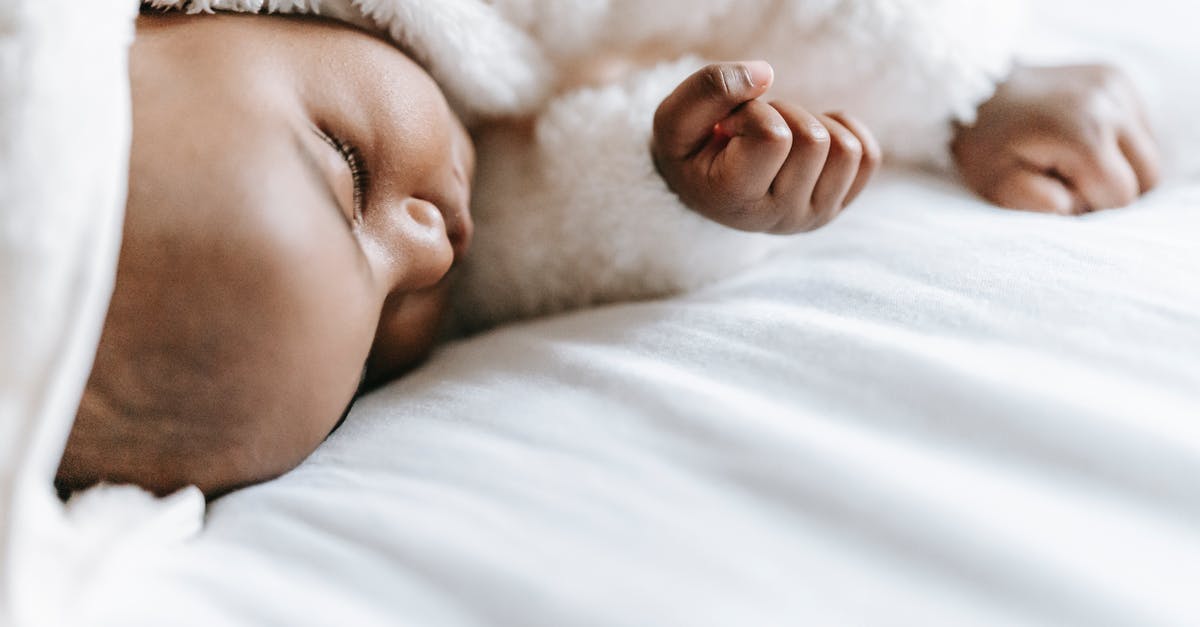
300, 191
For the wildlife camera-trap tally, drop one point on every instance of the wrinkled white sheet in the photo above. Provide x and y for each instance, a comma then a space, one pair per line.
932, 412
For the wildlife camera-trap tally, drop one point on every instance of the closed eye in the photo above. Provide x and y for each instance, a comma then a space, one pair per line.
359, 174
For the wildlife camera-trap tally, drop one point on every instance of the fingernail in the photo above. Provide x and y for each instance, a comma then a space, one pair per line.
761, 73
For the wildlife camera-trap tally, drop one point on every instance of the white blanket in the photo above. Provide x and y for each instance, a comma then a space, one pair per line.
64, 144
932, 412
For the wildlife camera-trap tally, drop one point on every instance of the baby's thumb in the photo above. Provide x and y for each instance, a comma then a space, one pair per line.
685, 120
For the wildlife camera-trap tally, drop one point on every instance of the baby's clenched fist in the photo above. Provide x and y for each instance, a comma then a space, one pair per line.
1067, 140
758, 166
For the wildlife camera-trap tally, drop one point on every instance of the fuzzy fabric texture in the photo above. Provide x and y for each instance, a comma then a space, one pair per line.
575, 213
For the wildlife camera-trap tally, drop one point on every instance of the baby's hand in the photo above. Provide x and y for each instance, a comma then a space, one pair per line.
1065, 140
756, 166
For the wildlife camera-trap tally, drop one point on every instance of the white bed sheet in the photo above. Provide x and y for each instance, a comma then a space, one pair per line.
932, 412
935, 413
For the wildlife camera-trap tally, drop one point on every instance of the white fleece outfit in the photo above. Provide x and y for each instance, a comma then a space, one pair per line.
573, 212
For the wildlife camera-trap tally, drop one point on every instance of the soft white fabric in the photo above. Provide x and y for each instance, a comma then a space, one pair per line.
574, 213
933, 412
860, 432
64, 134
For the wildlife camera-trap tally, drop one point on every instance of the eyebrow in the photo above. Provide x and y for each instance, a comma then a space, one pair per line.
314, 168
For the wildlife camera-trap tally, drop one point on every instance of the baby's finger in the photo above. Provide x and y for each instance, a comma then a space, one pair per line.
1101, 176
685, 119
872, 154
1030, 190
744, 168
841, 168
1140, 150
795, 181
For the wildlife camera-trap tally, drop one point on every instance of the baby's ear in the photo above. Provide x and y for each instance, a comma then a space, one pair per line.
487, 66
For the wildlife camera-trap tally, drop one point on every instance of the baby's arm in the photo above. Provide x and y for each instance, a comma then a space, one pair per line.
573, 211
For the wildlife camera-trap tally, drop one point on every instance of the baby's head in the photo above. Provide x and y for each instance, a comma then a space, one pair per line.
298, 192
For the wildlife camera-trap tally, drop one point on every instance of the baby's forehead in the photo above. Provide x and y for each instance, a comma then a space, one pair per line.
339, 53
354, 71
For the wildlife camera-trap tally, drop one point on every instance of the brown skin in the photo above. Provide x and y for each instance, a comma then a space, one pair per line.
252, 287
1058, 139
1066, 140
757, 166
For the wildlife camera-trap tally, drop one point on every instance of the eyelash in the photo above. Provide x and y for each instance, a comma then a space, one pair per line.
358, 168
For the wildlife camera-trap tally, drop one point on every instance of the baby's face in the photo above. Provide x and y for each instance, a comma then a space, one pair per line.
298, 192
